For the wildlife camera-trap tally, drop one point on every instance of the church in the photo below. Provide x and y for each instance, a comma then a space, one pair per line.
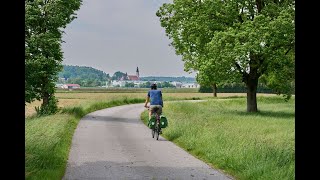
131, 77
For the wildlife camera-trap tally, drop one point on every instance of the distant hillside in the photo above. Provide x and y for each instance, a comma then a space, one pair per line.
91, 77
180, 79
85, 76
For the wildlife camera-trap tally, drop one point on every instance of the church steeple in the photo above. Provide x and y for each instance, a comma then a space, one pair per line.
137, 72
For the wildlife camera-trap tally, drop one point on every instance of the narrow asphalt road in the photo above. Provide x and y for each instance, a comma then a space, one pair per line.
114, 144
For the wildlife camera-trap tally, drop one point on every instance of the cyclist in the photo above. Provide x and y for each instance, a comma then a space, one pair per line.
155, 98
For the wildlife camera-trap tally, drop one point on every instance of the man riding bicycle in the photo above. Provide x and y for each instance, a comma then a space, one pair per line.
155, 98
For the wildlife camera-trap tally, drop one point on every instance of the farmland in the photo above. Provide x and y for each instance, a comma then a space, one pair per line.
83, 97
47, 141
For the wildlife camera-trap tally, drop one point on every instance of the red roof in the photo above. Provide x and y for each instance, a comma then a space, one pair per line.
133, 77
77, 85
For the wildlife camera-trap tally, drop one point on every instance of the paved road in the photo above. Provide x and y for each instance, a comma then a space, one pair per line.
114, 144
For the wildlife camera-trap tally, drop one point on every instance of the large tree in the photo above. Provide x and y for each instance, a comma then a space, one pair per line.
235, 40
118, 75
44, 23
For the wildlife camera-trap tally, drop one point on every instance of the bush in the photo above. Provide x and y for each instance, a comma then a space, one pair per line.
50, 108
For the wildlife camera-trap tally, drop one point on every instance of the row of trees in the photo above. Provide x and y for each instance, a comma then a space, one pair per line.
91, 77
234, 88
147, 84
179, 79
44, 24
83, 82
235, 41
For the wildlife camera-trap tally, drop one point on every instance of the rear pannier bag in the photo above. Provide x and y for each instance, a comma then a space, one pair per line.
152, 122
163, 121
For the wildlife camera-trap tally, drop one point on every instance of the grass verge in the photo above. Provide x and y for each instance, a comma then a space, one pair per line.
48, 139
245, 145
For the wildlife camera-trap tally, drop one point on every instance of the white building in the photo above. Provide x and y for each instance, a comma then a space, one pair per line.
117, 83
58, 85
70, 86
176, 84
190, 85
122, 83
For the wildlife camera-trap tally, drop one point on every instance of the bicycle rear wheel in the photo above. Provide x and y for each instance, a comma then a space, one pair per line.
157, 131
153, 131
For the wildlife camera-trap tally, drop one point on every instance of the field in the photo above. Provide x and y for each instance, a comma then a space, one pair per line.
87, 96
48, 138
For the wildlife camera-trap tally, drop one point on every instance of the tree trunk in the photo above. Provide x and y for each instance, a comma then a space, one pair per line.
45, 94
214, 88
252, 95
45, 101
251, 81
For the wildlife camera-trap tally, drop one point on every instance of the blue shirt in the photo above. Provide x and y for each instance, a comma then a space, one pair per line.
155, 97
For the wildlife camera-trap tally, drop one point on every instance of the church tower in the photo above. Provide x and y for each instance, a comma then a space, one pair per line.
137, 72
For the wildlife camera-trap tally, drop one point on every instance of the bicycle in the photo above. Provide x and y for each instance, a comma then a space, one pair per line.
156, 129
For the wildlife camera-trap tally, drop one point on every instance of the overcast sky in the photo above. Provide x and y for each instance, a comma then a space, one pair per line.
121, 35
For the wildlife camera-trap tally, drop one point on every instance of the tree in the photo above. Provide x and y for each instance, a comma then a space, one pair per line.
166, 84
205, 79
44, 21
235, 41
118, 75
66, 75
129, 84
148, 84
214, 74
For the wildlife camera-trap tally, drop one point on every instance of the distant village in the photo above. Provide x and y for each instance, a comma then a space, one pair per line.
135, 79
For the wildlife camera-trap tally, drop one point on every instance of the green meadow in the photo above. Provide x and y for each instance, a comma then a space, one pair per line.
245, 145
217, 131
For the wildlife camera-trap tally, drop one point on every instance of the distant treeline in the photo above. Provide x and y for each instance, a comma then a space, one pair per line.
235, 88
91, 77
168, 79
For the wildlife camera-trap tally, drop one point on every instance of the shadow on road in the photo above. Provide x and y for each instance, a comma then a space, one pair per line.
111, 119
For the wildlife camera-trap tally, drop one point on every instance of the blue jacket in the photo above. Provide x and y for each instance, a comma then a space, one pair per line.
155, 97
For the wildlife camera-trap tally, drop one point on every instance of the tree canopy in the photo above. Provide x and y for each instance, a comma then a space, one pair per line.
44, 23
234, 41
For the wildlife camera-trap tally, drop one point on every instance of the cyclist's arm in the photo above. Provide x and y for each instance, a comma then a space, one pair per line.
147, 100
161, 98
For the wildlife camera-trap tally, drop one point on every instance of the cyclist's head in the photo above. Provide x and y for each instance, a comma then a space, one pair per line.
153, 86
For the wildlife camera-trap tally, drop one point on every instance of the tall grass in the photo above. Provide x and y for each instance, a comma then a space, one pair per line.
245, 145
47, 145
48, 139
